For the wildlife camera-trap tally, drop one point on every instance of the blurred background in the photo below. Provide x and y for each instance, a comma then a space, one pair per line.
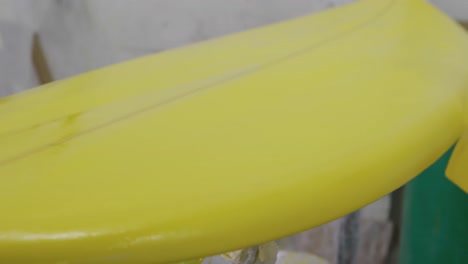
82, 35
46, 40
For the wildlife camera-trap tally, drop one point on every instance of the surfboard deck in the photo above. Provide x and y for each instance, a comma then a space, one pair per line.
230, 142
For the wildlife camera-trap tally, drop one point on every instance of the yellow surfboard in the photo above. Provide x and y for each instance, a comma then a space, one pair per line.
234, 141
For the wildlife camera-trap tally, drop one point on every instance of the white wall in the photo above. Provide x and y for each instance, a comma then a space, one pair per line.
84, 35
87, 34
16, 29
458, 9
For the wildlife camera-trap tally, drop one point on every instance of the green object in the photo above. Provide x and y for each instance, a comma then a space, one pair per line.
435, 219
